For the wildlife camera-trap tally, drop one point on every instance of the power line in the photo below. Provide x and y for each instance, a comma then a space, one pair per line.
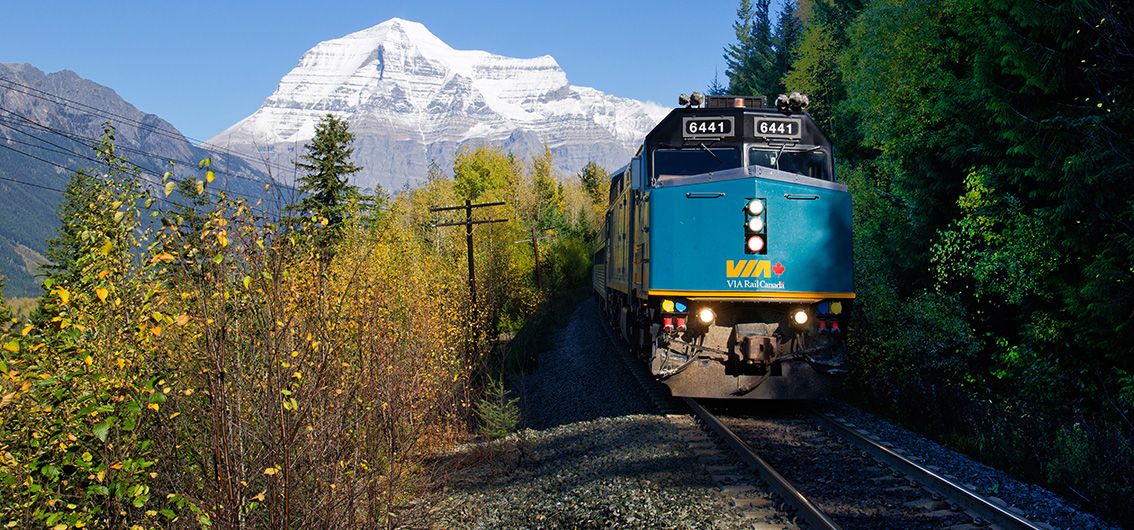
89, 141
94, 111
61, 100
32, 184
144, 170
141, 176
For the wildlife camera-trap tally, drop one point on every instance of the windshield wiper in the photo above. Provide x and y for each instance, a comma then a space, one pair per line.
778, 153
711, 153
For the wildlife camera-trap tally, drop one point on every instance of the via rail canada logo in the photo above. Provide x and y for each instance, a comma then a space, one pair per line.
753, 274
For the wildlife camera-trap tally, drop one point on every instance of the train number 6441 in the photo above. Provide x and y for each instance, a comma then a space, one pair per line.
707, 127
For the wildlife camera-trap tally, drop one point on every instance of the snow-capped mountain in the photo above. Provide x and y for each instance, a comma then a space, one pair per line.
410, 98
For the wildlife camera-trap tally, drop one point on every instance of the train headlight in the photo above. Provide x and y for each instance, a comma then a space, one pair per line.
756, 224
706, 315
800, 317
755, 244
755, 207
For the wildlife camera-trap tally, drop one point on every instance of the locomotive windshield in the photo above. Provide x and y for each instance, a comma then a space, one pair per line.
695, 161
809, 163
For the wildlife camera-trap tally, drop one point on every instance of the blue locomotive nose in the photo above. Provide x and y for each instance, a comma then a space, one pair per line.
698, 242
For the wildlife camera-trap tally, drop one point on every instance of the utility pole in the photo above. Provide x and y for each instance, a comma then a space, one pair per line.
468, 223
535, 251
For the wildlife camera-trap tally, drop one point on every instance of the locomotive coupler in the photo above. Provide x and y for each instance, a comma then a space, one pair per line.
757, 350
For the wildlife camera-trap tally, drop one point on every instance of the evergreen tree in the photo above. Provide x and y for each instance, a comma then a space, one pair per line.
547, 192
762, 69
738, 56
64, 249
715, 87
595, 180
98, 218
788, 32
329, 197
751, 60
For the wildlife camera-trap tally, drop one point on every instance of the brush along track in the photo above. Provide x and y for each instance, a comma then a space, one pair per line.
837, 477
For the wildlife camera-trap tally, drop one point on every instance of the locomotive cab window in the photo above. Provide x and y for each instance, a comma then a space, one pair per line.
811, 162
695, 161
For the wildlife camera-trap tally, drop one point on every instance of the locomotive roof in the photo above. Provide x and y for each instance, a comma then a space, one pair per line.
670, 130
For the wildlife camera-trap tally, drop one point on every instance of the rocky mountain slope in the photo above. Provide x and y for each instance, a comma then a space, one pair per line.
410, 98
48, 125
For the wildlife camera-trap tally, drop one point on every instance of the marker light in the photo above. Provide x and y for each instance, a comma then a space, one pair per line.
836, 308
824, 308
755, 207
755, 224
680, 307
667, 306
800, 317
706, 315
755, 243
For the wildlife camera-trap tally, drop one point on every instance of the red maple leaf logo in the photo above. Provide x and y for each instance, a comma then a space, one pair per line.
778, 269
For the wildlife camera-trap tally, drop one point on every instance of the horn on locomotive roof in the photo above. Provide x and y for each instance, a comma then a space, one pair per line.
795, 102
695, 100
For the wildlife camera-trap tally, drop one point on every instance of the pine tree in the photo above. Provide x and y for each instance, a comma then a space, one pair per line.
595, 180
715, 87
64, 249
763, 68
789, 29
737, 54
99, 217
750, 60
329, 198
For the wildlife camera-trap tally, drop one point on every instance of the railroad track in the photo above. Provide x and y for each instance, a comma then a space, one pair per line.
839, 477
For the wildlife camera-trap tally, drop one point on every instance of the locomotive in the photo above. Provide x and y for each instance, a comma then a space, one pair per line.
725, 258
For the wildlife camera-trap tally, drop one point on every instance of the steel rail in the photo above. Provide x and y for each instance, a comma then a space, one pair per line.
810, 513
960, 495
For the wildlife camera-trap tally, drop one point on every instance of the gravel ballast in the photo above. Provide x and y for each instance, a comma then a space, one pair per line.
627, 472
595, 453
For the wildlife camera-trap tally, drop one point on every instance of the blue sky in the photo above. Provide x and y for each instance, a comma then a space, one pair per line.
203, 65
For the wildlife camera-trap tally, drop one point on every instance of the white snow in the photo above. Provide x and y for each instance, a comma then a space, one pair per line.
397, 82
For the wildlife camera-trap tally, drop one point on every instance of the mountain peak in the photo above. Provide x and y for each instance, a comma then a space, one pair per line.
411, 98
399, 30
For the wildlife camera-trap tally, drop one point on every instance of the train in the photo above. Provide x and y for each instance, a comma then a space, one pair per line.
725, 258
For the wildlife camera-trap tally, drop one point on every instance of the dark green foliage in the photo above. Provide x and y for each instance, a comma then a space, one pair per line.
498, 414
595, 180
789, 30
547, 193
761, 56
328, 197
716, 88
989, 156
750, 59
